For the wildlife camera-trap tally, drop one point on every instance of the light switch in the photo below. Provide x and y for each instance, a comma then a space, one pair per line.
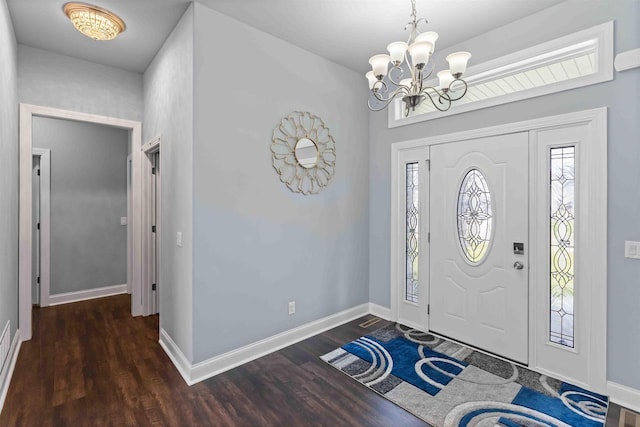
123, 220
179, 239
632, 249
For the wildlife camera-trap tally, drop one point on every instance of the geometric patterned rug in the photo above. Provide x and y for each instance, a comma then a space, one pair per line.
447, 384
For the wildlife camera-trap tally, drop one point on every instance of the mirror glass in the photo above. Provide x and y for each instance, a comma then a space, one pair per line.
306, 153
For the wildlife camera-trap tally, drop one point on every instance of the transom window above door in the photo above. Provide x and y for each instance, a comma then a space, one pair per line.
579, 59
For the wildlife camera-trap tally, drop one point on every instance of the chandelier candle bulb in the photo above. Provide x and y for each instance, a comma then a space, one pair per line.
396, 52
458, 62
379, 64
420, 52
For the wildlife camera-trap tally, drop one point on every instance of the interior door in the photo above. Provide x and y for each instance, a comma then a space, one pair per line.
479, 243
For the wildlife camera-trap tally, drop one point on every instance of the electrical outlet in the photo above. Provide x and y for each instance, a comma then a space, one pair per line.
179, 239
632, 249
123, 220
292, 307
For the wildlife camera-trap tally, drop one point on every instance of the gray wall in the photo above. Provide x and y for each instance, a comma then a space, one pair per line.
256, 244
168, 111
53, 80
88, 197
8, 172
620, 95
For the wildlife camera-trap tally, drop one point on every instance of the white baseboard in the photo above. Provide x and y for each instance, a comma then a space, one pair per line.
208, 368
176, 355
7, 372
69, 297
380, 311
624, 396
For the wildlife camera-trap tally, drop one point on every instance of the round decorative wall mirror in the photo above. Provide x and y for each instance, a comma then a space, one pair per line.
303, 152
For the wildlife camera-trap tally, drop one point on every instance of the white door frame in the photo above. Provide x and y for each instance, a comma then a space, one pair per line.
595, 275
27, 112
45, 223
149, 148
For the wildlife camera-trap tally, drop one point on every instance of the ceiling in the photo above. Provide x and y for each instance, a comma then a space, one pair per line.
345, 31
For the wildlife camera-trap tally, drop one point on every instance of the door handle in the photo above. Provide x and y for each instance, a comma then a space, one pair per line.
518, 265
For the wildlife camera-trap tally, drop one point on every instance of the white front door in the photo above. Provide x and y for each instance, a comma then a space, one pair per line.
479, 243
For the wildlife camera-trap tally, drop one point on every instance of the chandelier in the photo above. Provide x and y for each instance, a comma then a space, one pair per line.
386, 80
94, 22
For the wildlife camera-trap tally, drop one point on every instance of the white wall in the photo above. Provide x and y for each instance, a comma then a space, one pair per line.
8, 172
620, 95
88, 196
257, 245
54, 80
168, 111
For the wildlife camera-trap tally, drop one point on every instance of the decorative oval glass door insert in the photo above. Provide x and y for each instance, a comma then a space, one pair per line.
475, 217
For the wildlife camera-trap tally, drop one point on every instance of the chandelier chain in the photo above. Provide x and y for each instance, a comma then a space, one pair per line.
414, 13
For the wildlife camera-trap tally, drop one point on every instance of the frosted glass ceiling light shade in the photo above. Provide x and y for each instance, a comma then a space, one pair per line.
458, 62
379, 65
371, 78
446, 78
420, 53
94, 22
428, 36
386, 81
396, 52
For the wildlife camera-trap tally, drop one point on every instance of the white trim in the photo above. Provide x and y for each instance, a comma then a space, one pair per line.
27, 112
604, 35
178, 358
380, 311
627, 60
597, 221
69, 297
130, 260
45, 223
152, 145
624, 396
409, 313
7, 373
149, 149
216, 365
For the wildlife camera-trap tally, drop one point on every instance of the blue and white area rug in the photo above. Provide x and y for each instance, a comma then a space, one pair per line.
447, 384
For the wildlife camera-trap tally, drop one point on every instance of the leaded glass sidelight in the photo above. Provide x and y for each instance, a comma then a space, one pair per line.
562, 236
412, 232
475, 218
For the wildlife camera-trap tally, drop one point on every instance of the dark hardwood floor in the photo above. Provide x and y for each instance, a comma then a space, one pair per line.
92, 364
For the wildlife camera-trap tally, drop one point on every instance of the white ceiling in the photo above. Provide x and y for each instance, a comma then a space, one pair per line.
345, 31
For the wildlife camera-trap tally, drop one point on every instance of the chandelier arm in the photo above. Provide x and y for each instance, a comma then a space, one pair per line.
384, 105
401, 90
466, 87
425, 75
441, 96
395, 67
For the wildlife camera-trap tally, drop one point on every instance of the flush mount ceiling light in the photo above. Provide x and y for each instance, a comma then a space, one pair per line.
415, 56
94, 22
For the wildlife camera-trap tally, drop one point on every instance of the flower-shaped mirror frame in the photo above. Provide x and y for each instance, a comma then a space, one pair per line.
297, 133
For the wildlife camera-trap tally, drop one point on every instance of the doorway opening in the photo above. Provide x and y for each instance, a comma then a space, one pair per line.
26, 255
